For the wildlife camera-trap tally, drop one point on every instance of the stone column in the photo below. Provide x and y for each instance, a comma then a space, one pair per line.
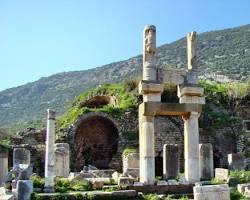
50, 154
62, 160
3, 166
147, 157
191, 147
149, 50
170, 161
151, 91
206, 161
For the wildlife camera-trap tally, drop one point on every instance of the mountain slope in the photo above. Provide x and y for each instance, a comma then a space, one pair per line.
225, 53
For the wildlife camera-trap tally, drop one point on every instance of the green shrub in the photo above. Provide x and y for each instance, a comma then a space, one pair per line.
242, 175
38, 182
126, 100
5, 144
151, 197
128, 150
131, 84
81, 186
62, 185
235, 195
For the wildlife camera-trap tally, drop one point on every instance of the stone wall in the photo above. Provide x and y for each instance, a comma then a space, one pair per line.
168, 130
33, 140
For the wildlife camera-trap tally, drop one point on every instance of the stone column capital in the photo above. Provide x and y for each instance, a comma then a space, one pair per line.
191, 115
51, 114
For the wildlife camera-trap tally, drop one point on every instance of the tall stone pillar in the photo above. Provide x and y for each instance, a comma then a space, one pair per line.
50, 154
191, 93
191, 147
3, 165
151, 92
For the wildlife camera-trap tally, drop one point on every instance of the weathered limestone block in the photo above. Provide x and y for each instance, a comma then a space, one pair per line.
190, 91
102, 173
132, 160
236, 161
62, 160
212, 192
247, 192
221, 174
206, 161
170, 161
192, 99
50, 154
3, 166
21, 156
242, 187
24, 189
151, 91
4, 195
125, 181
132, 173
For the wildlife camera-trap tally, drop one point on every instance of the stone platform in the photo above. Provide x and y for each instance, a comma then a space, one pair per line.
164, 189
120, 193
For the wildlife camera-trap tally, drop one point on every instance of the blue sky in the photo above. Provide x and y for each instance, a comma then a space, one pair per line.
40, 38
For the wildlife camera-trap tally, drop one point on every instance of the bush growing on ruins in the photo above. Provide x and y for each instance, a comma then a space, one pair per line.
5, 144
38, 182
215, 181
242, 175
62, 185
131, 84
125, 102
235, 195
128, 150
81, 186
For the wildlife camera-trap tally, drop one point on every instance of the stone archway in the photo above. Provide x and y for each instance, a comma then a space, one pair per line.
95, 141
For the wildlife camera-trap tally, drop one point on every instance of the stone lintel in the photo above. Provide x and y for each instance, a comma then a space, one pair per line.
163, 109
190, 91
147, 87
171, 76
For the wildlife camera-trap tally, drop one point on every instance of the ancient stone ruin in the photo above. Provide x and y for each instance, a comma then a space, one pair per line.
190, 98
92, 147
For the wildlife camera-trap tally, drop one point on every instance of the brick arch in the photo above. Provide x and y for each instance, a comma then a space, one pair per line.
95, 141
